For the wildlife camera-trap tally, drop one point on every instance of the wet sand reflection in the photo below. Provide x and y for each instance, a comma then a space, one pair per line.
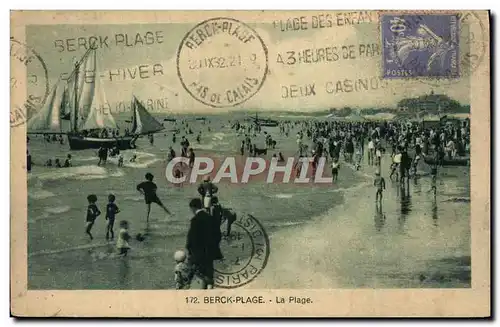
405, 203
379, 217
434, 212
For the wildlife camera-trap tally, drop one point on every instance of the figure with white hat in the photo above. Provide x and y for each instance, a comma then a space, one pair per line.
207, 190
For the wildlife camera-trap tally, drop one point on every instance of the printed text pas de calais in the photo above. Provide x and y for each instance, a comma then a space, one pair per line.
248, 300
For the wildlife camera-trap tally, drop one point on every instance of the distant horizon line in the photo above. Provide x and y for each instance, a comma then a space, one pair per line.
264, 111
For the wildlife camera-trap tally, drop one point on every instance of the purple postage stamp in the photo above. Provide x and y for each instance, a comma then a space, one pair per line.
420, 45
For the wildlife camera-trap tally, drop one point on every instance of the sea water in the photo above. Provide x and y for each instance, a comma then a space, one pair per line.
320, 236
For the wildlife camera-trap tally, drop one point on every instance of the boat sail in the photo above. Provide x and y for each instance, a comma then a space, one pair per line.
81, 98
86, 100
48, 118
142, 121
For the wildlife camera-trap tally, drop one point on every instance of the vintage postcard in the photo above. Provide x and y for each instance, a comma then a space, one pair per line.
250, 163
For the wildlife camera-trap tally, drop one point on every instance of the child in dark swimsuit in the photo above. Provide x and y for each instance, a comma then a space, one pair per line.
111, 211
92, 214
148, 189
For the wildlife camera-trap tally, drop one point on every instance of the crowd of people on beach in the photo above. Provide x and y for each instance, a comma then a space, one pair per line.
407, 141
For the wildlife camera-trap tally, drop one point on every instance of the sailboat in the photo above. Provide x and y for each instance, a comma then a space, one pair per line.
82, 100
142, 123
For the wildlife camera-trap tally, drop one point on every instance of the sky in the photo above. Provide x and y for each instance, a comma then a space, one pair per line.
149, 71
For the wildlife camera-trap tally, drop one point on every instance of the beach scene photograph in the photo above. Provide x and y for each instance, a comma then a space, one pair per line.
322, 151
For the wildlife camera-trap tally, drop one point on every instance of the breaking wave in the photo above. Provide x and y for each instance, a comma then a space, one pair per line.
81, 172
218, 136
39, 193
57, 210
283, 196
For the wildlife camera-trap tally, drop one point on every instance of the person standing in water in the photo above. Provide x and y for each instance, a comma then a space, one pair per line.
92, 214
123, 238
335, 169
358, 158
371, 151
396, 161
120, 160
378, 156
379, 182
171, 154
242, 147
67, 162
148, 189
192, 156
111, 211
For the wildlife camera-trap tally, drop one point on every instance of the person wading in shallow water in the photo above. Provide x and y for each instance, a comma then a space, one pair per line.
148, 189
202, 244
92, 213
102, 153
379, 182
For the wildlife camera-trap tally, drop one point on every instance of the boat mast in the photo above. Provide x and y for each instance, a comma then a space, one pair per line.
75, 74
134, 114
75, 118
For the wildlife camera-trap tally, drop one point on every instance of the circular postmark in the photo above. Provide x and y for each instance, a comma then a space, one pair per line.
222, 62
29, 82
472, 48
246, 251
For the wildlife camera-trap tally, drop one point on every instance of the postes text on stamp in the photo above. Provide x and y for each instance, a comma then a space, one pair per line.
246, 251
222, 62
420, 45
29, 83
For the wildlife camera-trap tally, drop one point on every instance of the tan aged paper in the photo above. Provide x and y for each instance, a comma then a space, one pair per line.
250, 164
